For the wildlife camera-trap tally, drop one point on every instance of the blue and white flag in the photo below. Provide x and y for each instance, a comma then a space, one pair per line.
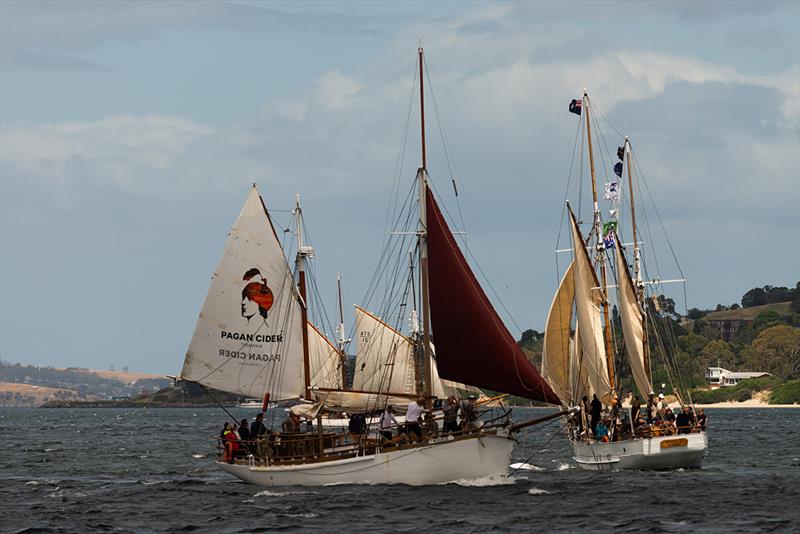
612, 192
608, 240
618, 169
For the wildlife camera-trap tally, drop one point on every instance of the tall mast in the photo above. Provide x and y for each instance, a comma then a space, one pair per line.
637, 273
303, 252
422, 177
341, 341
601, 254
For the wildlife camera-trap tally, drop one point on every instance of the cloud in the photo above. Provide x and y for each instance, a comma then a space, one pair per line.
336, 91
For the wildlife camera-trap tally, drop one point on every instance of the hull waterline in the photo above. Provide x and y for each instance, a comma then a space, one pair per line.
663, 452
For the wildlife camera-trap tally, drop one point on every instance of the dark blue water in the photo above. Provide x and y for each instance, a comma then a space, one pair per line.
139, 470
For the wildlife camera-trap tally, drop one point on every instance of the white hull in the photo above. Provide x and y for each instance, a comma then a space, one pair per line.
663, 452
445, 461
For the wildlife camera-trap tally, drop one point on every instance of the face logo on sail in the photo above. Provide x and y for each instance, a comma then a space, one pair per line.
256, 296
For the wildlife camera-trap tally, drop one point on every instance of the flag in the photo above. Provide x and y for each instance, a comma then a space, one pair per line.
608, 227
608, 240
618, 169
612, 213
575, 107
621, 153
612, 192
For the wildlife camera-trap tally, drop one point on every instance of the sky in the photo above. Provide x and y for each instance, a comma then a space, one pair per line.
130, 133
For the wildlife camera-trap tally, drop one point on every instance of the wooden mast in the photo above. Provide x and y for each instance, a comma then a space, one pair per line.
422, 176
600, 250
303, 252
637, 274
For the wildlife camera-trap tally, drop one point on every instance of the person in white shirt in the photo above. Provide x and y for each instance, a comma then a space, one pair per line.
413, 414
386, 422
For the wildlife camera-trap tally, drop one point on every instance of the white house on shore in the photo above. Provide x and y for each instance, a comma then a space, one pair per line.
718, 377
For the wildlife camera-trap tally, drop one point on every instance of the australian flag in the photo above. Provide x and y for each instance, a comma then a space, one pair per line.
618, 169
621, 153
608, 240
575, 107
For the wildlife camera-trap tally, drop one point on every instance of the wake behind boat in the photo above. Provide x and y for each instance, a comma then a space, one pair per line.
583, 335
255, 294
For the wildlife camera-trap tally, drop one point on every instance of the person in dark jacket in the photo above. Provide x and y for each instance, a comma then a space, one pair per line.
684, 421
596, 409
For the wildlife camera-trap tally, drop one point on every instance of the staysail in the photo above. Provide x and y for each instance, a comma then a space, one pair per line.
384, 357
556, 349
248, 336
324, 360
632, 323
588, 302
473, 345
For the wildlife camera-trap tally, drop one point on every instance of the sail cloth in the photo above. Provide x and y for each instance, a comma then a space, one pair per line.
473, 345
556, 349
632, 320
324, 360
361, 401
588, 300
384, 357
248, 336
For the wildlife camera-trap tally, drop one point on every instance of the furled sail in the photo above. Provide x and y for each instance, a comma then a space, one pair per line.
361, 401
632, 320
384, 357
248, 336
588, 302
324, 360
473, 345
556, 349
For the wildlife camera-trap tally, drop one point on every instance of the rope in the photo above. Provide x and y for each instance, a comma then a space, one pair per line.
557, 432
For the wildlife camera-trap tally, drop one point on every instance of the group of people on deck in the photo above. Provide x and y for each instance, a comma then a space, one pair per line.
243, 438
421, 424
657, 418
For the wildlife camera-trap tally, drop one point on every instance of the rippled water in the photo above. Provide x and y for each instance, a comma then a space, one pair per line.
139, 470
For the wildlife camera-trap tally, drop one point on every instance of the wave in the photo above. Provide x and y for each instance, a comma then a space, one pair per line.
522, 466
538, 491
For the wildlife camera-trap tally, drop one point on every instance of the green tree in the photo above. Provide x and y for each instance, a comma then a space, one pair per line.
776, 350
716, 352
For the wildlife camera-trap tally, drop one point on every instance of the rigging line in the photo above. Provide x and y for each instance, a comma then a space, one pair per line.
207, 392
529, 458
658, 215
566, 191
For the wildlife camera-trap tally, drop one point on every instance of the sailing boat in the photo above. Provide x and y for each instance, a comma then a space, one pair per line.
264, 348
578, 361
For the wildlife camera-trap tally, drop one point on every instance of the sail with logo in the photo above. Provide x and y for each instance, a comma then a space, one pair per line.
248, 337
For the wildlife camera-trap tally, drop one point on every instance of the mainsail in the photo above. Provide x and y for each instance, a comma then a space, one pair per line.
324, 360
473, 345
632, 320
556, 349
588, 301
248, 336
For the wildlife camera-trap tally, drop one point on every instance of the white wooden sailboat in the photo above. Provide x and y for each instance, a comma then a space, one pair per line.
253, 338
578, 356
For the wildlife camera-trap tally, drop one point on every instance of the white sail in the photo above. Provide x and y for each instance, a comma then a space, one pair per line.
556, 349
632, 320
248, 336
324, 360
361, 401
384, 357
588, 301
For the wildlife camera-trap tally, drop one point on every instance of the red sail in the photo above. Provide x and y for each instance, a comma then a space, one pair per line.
473, 345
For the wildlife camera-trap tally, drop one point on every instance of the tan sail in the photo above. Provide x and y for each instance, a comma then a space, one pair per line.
361, 401
588, 303
384, 357
248, 336
632, 320
324, 360
555, 352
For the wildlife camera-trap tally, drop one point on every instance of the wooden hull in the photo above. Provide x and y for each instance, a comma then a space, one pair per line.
663, 452
444, 460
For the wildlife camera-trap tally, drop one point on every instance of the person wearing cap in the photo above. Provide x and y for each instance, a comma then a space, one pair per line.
450, 410
651, 408
469, 414
661, 405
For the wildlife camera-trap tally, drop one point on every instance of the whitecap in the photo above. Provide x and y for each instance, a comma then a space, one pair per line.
33, 483
526, 467
538, 491
308, 515
491, 480
268, 493
563, 467
50, 450
198, 456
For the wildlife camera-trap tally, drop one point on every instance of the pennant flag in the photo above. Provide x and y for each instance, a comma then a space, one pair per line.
608, 227
618, 169
575, 107
612, 213
608, 240
621, 153
612, 192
